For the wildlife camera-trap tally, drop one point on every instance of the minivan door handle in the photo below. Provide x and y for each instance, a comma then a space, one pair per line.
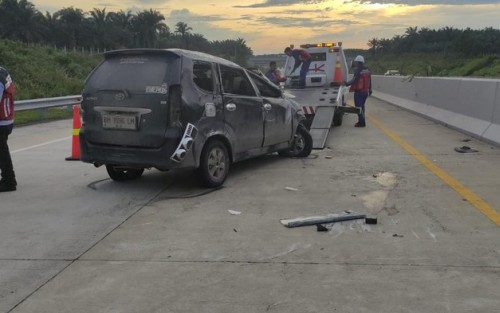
268, 106
231, 107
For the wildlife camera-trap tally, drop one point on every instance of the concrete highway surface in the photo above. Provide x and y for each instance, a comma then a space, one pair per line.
74, 241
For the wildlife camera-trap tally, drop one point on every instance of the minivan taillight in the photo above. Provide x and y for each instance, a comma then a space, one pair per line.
174, 103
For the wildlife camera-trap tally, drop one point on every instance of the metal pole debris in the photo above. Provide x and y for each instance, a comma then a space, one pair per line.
315, 220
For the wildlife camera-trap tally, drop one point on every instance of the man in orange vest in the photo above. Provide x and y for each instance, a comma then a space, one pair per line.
301, 57
8, 181
361, 85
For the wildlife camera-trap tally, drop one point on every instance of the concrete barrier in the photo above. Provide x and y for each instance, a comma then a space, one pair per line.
471, 105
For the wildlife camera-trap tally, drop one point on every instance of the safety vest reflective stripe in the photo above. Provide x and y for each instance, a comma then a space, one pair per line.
6, 110
5, 107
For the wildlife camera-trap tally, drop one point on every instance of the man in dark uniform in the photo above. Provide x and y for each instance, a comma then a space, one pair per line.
8, 181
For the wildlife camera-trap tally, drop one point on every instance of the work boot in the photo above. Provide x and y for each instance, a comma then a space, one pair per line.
359, 125
8, 184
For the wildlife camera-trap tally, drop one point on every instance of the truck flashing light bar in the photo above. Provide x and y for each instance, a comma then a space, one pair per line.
318, 45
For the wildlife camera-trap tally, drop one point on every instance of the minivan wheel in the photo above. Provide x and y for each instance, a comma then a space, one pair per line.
214, 164
301, 146
119, 173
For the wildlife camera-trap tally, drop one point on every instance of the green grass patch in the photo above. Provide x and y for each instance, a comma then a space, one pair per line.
37, 116
435, 64
43, 72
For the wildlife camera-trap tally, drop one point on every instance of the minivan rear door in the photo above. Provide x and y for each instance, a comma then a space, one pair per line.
125, 100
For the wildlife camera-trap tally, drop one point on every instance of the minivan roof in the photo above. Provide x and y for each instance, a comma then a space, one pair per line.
194, 55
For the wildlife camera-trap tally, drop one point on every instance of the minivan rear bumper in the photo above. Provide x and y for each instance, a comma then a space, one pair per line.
140, 157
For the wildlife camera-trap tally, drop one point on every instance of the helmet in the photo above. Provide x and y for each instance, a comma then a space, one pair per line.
359, 58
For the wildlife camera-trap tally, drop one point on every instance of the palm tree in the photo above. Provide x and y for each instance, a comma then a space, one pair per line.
147, 25
397, 43
99, 22
410, 38
49, 28
374, 45
198, 42
121, 28
71, 22
235, 50
183, 29
20, 20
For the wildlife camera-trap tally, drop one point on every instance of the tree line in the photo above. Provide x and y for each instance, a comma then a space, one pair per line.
100, 30
447, 40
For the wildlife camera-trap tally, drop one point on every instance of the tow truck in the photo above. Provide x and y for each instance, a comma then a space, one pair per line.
323, 98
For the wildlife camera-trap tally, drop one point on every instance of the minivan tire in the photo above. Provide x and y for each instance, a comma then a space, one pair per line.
214, 164
118, 173
301, 146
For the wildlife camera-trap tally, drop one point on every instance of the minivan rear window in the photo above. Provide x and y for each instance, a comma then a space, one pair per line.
131, 72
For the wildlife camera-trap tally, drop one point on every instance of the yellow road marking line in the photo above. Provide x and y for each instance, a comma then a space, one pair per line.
466, 193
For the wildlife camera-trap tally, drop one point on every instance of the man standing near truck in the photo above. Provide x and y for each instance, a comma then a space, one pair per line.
361, 85
301, 57
8, 181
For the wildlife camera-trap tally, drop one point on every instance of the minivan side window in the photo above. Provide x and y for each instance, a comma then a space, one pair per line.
203, 76
234, 81
266, 88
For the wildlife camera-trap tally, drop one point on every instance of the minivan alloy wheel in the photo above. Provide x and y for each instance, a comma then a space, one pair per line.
214, 164
301, 146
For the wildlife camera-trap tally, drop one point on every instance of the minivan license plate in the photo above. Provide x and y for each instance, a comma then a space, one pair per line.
119, 121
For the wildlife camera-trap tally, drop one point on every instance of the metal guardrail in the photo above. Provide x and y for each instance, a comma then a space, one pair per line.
45, 103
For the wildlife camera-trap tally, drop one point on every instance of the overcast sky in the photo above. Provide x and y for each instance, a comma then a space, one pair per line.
268, 26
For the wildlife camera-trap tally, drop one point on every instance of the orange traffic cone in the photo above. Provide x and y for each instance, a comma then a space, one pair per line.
75, 146
337, 74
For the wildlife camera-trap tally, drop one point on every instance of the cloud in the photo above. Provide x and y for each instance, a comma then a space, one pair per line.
279, 3
427, 2
105, 5
149, 2
206, 25
184, 15
303, 22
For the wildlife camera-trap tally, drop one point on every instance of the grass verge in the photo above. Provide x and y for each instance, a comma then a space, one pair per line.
38, 116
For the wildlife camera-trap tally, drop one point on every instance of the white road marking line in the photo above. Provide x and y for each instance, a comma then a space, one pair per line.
40, 145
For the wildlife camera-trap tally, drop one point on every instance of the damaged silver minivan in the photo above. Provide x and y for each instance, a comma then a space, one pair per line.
173, 108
